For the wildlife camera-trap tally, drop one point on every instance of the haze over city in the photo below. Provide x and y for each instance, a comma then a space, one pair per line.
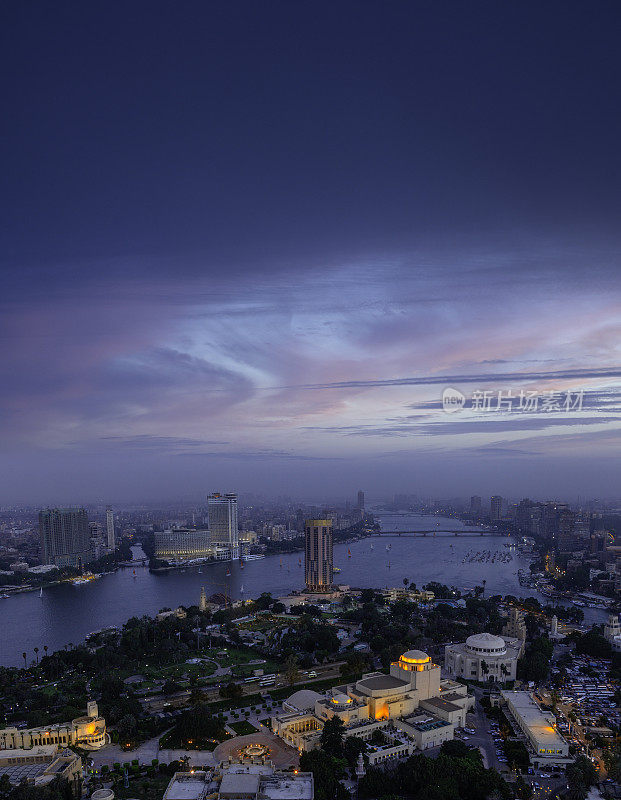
251, 248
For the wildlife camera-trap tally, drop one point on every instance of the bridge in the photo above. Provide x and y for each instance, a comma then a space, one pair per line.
434, 531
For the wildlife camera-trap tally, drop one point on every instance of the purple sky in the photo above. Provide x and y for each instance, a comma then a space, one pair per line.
248, 246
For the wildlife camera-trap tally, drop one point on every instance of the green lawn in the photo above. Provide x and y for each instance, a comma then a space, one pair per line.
242, 728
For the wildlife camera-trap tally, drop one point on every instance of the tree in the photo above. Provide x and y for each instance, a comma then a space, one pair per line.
292, 672
232, 690
484, 667
325, 774
332, 737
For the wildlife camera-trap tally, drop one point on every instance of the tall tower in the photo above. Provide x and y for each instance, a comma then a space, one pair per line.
202, 603
110, 529
495, 507
222, 512
318, 555
475, 505
65, 537
360, 503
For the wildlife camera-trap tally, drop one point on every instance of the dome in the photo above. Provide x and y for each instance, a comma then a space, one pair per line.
303, 700
486, 643
415, 657
340, 700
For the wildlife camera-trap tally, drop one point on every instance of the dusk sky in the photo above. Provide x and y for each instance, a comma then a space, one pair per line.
246, 246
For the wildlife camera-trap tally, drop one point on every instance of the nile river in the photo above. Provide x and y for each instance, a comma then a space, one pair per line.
66, 613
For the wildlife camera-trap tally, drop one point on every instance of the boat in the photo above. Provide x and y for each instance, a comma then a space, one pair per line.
241, 589
41, 592
253, 557
348, 553
336, 569
228, 572
372, 546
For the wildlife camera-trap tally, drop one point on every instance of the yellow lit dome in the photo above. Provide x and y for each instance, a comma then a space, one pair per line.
415, 657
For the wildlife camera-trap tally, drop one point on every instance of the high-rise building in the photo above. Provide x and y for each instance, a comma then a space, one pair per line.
110, 529
495, 507
65, 537
475, 505
222, 512
318, 567
360, 503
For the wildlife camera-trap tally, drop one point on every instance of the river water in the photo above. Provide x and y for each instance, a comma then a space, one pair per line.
66, 613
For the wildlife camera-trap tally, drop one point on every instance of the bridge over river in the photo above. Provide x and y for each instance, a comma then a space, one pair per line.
434, 531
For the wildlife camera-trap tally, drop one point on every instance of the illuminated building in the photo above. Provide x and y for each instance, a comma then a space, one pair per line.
88, 732
318, 567
546, 745
396, 703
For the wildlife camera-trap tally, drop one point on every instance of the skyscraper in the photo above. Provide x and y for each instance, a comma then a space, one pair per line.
495, 507
110, 529
222, 512
360, 503
475, 505
318, 555
65, 537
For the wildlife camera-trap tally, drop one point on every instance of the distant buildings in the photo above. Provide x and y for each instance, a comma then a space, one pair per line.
182, 544
222, 513
483, 657
65, 537
495, 508
88, 732
515, 627
318, 567
612, 632
110, 529
475, 505
360, 503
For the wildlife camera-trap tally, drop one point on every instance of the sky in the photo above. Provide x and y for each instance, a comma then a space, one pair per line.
248, 246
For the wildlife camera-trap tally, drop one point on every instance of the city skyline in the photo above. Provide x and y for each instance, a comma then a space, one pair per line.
254, 249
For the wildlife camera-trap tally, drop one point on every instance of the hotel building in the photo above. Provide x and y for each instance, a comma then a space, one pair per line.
223, 529
318, 565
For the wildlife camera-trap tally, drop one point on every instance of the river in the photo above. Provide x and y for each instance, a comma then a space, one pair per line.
66, 613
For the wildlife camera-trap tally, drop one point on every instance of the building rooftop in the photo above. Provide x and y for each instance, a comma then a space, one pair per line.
438, 702
290, 787
538, 723
304, 700
236, 784
425, 722
187, 786
382, 682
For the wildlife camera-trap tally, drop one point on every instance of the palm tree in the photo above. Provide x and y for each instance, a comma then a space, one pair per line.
24, 657
484, 667
36, 651
483, 582
45, 648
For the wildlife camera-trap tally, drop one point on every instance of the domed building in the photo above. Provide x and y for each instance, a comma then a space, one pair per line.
411, 704
483, 657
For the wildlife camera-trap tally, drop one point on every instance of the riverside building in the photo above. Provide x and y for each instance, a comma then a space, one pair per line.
318, 563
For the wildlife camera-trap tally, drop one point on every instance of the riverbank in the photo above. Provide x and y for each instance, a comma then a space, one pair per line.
67, 613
